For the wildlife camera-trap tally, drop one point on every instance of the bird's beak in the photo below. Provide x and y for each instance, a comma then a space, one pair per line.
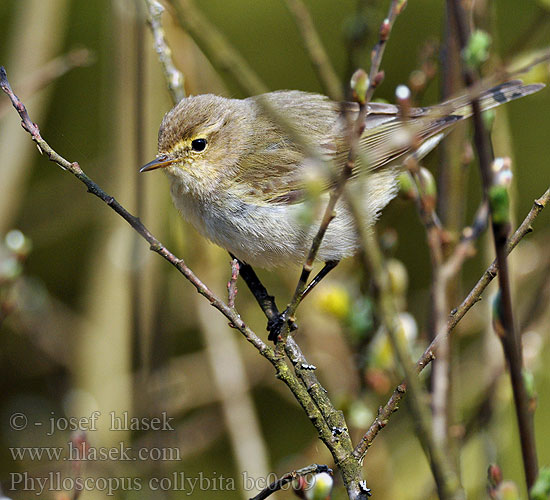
160, 162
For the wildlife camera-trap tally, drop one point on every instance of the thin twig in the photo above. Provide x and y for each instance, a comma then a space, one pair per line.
216, 47
232, 283
290, 476
440, 280
441, 371
510, 342
375, 76
446, 480
475, 294
340, 454
435, 240
316, 51
385, 412
50, 71
357, 128
173, 76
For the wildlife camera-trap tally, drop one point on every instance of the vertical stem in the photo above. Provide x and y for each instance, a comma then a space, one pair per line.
441, 383
315, 49
510, 342
450, 207
140, 354
513, 352
446, 480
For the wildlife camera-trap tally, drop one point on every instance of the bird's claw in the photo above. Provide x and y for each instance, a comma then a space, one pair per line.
275, 326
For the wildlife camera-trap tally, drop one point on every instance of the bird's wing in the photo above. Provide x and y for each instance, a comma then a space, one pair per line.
388, 137
281, 175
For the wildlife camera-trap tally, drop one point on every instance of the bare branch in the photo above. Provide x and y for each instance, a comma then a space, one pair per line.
316, 51
385, 412
232, 284
290, 476
174, 77
339, 448
217, 48
510, 341
375, 75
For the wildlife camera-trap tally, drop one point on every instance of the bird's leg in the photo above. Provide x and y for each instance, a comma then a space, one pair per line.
265, 301
274, 326
328, 267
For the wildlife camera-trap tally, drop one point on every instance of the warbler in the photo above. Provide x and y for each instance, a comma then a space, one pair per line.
241, 179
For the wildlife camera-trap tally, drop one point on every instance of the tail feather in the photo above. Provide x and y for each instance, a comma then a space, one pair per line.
491, 98
387, 139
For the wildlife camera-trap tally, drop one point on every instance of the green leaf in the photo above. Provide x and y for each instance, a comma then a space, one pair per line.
477, 50
541, 488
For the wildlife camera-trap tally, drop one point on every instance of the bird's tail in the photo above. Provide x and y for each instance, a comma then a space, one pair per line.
433, 123
387, 140
488, 99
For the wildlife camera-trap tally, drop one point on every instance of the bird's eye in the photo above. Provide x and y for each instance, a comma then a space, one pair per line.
198, 145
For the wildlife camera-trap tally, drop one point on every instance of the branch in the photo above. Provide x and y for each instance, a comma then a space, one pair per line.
290, 476
216, 47
475, 294
441, 383
375, 75
173, 76
385, 412
500, 223
232, 284
317, 54
340, 454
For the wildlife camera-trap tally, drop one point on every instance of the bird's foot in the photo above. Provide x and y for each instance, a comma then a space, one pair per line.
275, 325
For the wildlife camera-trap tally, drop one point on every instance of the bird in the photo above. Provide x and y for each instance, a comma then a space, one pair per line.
241, 178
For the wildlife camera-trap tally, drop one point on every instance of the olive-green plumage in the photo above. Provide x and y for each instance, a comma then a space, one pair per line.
242, 180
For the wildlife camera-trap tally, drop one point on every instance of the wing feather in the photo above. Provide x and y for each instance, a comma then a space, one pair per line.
275, 169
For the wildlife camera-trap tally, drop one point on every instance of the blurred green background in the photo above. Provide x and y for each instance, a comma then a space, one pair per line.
93, 321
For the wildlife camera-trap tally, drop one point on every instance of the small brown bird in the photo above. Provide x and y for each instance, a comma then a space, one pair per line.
242, 180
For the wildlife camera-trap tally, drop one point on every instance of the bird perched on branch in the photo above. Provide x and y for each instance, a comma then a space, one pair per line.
241, 170
240, 178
